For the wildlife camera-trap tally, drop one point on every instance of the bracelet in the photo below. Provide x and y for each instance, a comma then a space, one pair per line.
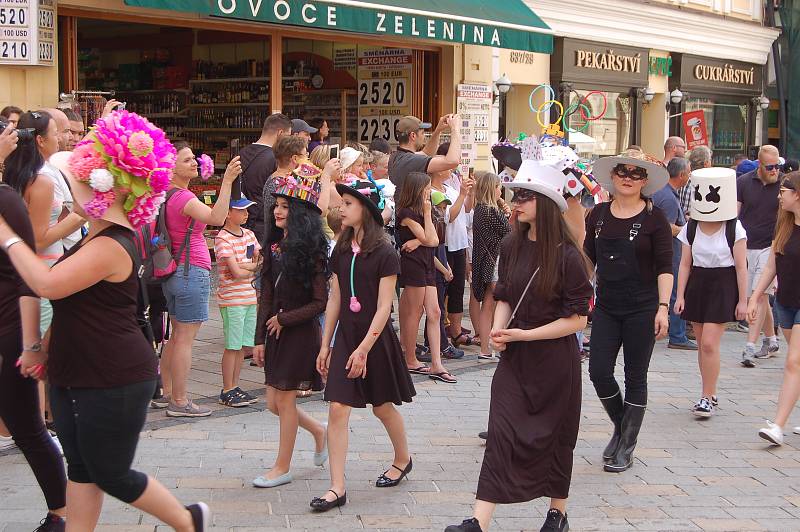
11, 241
664, 305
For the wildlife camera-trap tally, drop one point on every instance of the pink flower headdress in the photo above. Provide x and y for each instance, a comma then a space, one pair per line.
125, 154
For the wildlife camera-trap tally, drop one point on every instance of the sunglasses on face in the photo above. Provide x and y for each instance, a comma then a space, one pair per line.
771, 167
634, 174
522, 195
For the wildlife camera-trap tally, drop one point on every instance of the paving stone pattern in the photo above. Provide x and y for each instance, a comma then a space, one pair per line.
688, 475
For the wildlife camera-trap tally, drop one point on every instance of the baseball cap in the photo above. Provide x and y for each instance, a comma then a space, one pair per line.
241, 203
410, 124
438, 197
299, 125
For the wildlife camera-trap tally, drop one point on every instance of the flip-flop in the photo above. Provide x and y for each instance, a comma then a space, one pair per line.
465, 339
444, 377
420, 370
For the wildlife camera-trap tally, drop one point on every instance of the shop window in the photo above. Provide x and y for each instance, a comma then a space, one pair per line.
727, 128
605, 128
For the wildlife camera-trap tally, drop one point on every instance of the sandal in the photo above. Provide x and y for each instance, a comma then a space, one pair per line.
444, 377
420, 370
465, 339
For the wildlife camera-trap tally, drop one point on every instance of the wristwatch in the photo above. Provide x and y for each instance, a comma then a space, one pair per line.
11, 241
35, 348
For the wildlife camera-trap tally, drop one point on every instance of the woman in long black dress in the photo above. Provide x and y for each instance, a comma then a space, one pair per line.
543, 299
366, 364
294, 291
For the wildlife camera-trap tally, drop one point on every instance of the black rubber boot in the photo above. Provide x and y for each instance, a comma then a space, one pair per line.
631, 423
614, 409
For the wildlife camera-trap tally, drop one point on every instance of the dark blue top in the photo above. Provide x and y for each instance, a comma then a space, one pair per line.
759, 211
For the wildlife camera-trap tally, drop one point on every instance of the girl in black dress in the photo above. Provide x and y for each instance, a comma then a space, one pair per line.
365, 365
543, 294
416, 234
489, 226
294, 291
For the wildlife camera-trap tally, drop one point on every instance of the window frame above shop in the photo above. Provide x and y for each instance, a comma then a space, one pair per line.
510, 24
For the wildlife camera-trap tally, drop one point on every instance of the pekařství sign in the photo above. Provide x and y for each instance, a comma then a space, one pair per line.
371, 18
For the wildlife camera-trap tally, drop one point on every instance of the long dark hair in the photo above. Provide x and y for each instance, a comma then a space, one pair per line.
411, 195
373, 234
24, 163
316, 122
785, 225
304, 250
552, 236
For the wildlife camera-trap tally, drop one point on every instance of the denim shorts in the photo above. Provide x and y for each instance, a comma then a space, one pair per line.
787, 317
187, 295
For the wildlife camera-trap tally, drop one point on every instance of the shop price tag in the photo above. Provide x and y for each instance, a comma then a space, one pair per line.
27, 32
473, 103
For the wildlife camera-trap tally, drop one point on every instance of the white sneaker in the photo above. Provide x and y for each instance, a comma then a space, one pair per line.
58, 444
773, 433
796, 430
6, 442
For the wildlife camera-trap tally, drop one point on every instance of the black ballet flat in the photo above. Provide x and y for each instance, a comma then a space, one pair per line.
318, 504
386, 482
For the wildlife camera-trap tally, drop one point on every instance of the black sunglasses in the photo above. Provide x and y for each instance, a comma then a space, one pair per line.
772, 167
521, 195
635, 174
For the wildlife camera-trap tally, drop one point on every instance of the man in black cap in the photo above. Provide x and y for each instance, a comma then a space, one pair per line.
302, 129
415, 155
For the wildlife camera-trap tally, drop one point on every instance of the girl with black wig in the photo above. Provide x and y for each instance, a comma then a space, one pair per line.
294, 291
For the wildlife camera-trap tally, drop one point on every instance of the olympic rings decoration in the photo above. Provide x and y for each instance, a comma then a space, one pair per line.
571, 110
585, 101
580, 105
551, 102
547, 88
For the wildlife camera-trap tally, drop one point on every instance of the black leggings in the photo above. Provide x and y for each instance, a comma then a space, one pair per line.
631, 329
19, 409
99, 431
455, 289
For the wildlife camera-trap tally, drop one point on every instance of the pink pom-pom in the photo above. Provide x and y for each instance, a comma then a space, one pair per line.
206, 166
355, 306
84, 159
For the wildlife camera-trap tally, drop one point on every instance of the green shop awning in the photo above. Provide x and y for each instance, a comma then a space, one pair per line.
503, 23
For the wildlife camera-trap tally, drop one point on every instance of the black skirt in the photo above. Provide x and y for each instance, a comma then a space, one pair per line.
711, 295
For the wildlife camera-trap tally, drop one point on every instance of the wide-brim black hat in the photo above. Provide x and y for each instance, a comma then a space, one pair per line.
508, 154
367, 193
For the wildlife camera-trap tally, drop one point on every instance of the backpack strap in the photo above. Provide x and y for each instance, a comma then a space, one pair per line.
730, 233
691, 230
161, 227
143, 306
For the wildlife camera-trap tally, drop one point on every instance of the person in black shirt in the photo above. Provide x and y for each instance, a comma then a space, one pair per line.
784, 261
20, 342
630, 243
101, 367
258, 164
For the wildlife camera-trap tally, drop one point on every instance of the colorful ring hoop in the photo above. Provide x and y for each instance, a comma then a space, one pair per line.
585, 101
581, 129
551, 102
533, 92
578, 106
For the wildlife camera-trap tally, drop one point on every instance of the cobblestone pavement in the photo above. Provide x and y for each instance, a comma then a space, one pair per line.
689, 475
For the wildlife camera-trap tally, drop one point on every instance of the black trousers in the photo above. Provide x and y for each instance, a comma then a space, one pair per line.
99, 431
627, 323
455, 289
19, 409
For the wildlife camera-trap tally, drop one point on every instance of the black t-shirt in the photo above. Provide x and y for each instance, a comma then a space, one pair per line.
403, 162
759, 209
788, 274
12, 287
258, 163
653, 243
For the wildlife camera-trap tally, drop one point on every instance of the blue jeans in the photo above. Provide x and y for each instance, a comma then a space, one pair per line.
677, 327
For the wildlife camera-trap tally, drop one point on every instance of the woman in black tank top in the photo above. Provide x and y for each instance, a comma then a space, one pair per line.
102, 370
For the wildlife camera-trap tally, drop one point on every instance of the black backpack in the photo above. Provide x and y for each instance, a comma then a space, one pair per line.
730, 232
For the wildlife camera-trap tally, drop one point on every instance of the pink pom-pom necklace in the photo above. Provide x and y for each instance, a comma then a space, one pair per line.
355, 305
